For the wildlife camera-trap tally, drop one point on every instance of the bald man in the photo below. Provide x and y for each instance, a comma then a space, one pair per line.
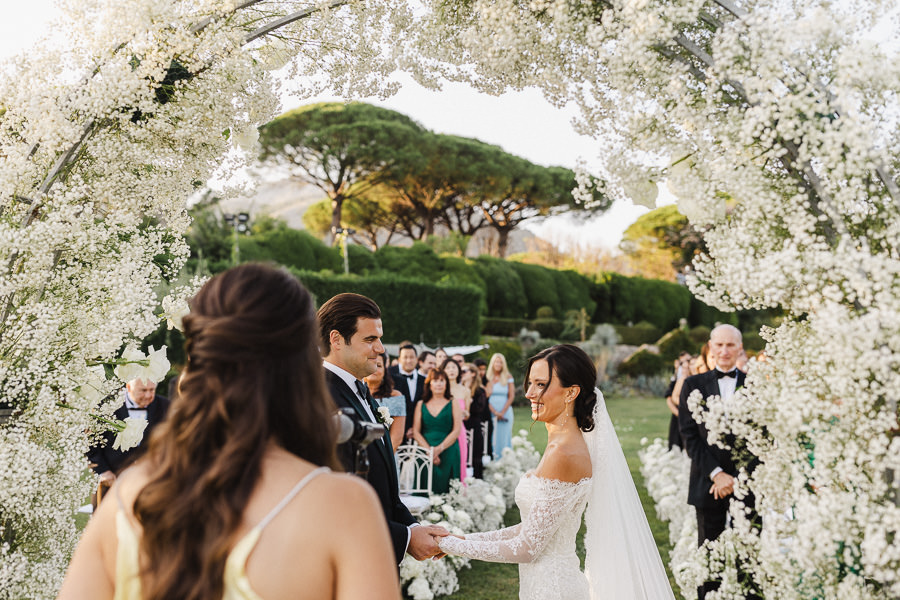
713, 469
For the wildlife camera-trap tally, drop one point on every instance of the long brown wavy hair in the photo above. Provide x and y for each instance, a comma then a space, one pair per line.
253, 375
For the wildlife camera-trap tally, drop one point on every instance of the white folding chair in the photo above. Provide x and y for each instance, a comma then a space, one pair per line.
470, 444
414, 471
486, 458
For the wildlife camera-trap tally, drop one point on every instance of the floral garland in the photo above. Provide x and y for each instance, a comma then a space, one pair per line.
105, 131
774, 123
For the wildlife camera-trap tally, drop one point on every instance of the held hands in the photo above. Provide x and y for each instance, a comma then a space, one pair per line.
723, 485
423, 542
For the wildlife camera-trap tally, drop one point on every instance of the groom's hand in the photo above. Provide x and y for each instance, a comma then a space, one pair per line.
423, 541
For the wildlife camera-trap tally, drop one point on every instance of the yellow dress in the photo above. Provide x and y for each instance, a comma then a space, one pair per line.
237, 586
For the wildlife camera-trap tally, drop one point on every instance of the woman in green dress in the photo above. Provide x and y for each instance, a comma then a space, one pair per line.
436, 425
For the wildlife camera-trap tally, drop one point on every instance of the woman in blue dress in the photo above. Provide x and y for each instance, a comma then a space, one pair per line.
502, 390
382, 389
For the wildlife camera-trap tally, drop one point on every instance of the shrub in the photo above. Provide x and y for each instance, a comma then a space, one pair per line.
511, 349
701, 313
540, 287
674, 343
699, 334
544, 312
642, 362
418, 261
548, 328
635, 335
361, 260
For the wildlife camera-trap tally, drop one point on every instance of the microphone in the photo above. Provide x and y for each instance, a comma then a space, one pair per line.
352, 429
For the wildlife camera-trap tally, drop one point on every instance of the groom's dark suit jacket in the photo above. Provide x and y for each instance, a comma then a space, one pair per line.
382, 468
704, 457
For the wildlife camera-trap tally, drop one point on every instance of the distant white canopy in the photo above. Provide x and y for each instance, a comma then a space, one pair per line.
394, 349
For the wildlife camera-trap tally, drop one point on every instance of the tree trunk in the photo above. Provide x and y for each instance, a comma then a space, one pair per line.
337, 203
502, 241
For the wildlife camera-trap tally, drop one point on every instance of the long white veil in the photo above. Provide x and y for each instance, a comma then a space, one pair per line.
622, 561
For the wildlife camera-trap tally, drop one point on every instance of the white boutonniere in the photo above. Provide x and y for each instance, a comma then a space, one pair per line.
384, 416
131, 433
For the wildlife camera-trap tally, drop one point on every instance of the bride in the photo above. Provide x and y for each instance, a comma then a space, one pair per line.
583, 466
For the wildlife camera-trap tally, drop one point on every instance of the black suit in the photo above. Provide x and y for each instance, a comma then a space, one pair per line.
102, 454
382, 468
705, 458
400, 383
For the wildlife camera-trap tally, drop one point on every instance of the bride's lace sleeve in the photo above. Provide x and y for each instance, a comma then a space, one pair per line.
521, 543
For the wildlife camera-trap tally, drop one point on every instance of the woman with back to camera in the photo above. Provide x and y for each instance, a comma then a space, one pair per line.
583, 465
234, 498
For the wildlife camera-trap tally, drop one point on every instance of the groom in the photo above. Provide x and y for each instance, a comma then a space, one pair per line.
713, 470
350, 329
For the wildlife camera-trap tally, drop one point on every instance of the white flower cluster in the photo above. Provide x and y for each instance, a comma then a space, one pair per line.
776, 123
104, 134
477, 505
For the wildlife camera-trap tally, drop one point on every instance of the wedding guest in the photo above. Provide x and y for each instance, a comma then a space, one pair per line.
682, 366
409, 381
481, 365
502, 390
713, 469
382, 389
139, 400
427, 362
461, 395
440, 356
436, 426
235, 484
479, 412
350, 332
460, 359
742, 361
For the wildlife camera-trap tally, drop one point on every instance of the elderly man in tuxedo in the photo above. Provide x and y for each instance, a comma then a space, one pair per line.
350, 329
141, 401
713, 469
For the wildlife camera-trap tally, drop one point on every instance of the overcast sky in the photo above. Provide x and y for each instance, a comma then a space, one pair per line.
522, 123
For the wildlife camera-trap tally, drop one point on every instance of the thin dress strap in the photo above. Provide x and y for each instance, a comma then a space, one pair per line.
290, 496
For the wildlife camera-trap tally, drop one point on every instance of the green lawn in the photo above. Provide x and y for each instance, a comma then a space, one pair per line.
634, 418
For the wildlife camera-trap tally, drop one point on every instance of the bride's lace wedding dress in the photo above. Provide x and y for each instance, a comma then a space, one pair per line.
543, 543
621, 562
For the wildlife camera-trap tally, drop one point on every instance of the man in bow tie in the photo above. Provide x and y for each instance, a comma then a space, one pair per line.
350, 329
409, 381
713, 470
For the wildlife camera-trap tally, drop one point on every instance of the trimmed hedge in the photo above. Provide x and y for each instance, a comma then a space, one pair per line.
411, 308
701, 313
675, 342
635, 335
503, 327
504, 291
643, 362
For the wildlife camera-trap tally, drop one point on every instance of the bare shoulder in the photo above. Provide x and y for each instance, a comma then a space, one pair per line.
395, 393
567, 460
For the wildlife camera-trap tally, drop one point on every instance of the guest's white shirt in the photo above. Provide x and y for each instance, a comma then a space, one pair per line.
411, 379
727, 386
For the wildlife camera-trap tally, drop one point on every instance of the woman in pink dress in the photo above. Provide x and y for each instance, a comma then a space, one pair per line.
463, 397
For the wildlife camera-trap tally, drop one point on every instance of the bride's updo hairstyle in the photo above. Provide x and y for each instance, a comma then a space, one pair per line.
571, 366
253, 377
